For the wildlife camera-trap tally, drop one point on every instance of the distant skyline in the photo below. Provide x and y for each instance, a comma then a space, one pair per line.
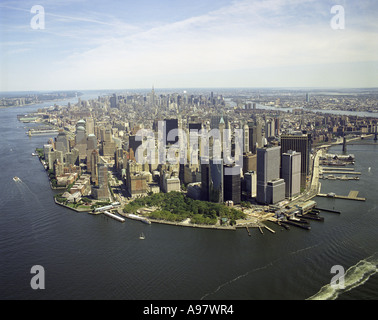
92, 45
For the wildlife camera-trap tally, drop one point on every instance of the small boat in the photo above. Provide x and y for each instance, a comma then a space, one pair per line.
34, 154
16, 179
142, 237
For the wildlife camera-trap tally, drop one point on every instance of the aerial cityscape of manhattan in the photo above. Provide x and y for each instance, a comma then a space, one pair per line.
189, 150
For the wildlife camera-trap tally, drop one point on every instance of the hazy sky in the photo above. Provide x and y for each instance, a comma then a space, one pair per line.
185, 44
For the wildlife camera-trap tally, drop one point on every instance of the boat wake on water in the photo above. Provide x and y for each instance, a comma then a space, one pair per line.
354, 277
256, 270
235, 279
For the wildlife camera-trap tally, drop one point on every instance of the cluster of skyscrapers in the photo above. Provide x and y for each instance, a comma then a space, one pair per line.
274, 166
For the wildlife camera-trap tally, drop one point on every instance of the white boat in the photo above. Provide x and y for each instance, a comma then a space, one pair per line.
142, 237
16, 179
34, 154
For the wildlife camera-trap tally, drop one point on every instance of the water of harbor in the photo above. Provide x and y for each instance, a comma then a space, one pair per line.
94, 257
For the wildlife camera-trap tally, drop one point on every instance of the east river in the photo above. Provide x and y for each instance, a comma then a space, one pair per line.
93, 257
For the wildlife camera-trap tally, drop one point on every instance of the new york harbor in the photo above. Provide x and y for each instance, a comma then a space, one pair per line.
187, 151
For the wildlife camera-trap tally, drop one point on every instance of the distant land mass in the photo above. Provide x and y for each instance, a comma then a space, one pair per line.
22, 98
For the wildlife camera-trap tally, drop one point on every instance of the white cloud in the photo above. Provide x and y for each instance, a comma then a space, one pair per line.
234, 39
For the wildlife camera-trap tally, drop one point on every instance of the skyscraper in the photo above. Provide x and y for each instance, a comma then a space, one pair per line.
270, 188
291, 173
212, 181
252, 137
299, 143
89, 126
62, 142
171, 124
245, 138
232, 187
101, 192
216, 181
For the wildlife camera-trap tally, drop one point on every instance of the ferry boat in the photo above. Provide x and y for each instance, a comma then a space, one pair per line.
16, 179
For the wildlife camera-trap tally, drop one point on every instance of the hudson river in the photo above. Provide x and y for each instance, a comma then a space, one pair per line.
94, 257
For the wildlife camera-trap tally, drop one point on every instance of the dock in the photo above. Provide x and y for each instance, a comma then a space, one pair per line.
341, 172
336, 168
271, 230
261, 230
328, 210
248, 231
351, 196
111, 215
297, 224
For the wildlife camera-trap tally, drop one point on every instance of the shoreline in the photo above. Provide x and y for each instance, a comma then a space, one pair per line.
181, 224
77, 210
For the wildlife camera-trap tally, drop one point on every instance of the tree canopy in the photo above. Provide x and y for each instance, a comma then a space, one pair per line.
176, 206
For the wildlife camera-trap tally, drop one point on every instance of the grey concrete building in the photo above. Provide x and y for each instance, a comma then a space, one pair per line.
291, 173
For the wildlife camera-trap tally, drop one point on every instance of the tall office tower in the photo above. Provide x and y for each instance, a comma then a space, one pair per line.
103, 178
252, 137
62, 143
46, 149
222, 126
114, 101
194, 154
249, 162
89, 126
91, 142
108, 145
250, 181
275, 191
72, 158
277, 126
55, 156
270, 188
232, 186
245, 138
299, 143
291, 173
101, 192
171, 124
307, 97
80, 135
81, 141
212, 181
269, 128
216, 181
259, 136
205, 178
93, 166
91, 145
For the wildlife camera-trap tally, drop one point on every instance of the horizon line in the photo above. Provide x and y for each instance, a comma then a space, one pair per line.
192, 88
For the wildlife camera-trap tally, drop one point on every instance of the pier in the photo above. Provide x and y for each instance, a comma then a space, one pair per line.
351, 196
328, 210
341, 172
111, 215
271, 230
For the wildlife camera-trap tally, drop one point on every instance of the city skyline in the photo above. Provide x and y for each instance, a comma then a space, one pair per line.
198, 44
